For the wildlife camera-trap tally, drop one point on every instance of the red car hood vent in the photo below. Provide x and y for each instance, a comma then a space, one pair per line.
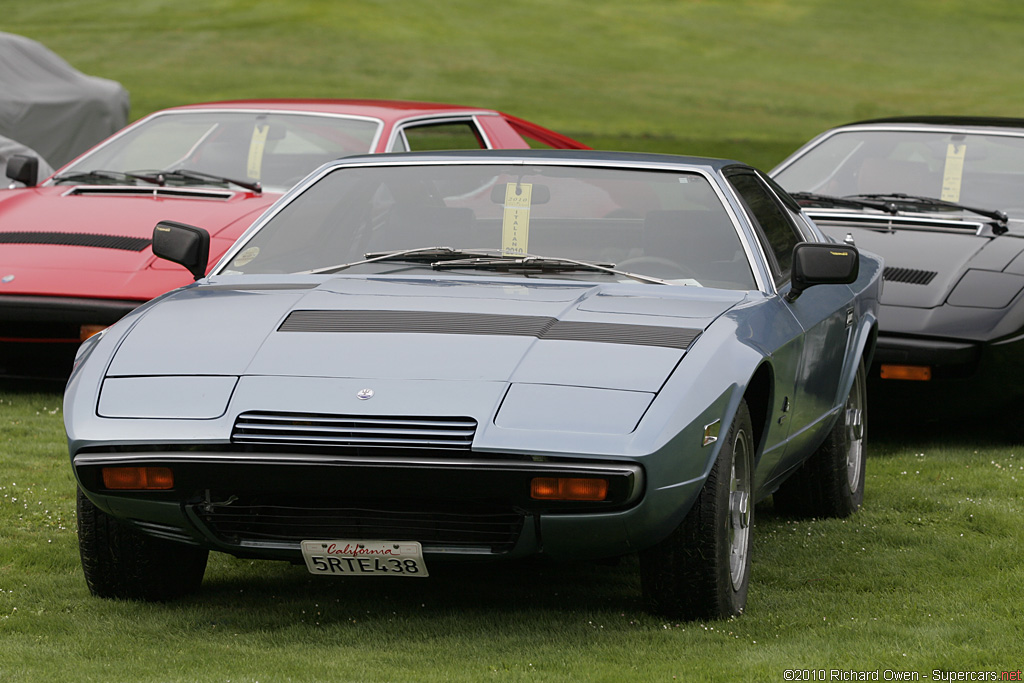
160, 192
910, 276
74, 239
483, 323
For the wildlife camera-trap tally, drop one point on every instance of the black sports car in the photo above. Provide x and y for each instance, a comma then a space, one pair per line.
942, 200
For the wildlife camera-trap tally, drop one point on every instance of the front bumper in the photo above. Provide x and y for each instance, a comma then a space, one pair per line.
262, 505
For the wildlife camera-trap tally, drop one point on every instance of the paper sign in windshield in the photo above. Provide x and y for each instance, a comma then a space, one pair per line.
954, 172
515, 226
256, 146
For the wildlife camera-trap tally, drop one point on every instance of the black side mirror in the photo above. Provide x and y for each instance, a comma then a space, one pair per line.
183, 244
24, 169
822, 264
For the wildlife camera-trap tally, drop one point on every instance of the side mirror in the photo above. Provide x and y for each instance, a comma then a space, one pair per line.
183, 244
816, 263
24, 169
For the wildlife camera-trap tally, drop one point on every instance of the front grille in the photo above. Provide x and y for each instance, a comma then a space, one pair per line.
347, 431
433, 525
910, 276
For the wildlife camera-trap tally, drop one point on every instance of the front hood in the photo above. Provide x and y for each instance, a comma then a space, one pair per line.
499, 330
52, 235
922, 265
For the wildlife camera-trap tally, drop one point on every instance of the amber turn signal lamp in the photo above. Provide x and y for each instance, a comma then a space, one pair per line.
568, 488
917, 373
138, 478
86, 331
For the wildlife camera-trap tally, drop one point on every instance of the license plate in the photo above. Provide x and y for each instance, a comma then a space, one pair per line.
364, 558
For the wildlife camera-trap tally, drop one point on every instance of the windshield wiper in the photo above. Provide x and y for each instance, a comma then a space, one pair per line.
852, 202
189, 174
542, 264
917, 200
429, 254
98, 174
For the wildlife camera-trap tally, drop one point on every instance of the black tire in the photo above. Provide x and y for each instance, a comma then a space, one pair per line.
702, 570
120, 562
831, 482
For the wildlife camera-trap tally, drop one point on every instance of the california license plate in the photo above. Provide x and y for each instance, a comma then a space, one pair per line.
364, 558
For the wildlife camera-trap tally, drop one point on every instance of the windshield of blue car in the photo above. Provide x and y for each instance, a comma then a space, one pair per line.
668, 226
973, 169
273, 149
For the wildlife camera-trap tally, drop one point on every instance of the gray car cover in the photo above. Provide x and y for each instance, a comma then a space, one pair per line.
49, 106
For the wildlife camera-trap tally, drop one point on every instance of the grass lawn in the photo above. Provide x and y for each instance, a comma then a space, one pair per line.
926, 577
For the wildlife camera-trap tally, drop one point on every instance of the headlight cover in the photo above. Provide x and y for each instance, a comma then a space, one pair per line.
555, 408
167, 397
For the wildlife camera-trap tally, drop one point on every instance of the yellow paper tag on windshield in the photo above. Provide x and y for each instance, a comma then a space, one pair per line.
953, 175
515, 225
256, 145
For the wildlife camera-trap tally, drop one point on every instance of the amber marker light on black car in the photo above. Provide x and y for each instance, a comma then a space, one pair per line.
138, 478
915, 373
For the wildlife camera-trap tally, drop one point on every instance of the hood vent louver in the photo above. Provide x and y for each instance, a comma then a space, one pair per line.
431, 322
909, 276
74, 239
159, 192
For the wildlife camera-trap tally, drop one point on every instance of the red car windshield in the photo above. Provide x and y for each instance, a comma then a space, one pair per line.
273, 149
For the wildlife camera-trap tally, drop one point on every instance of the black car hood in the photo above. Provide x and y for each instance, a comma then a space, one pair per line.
922, 266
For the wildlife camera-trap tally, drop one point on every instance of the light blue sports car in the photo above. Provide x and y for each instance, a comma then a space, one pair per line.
418, 358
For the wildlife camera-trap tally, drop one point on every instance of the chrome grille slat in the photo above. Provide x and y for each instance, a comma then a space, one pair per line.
354, 431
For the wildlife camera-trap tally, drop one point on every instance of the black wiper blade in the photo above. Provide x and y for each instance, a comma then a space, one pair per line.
99, 174
188, 173
917, 200
812, 198
429, 254
541, 264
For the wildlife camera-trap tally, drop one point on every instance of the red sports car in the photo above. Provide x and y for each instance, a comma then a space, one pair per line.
75, 250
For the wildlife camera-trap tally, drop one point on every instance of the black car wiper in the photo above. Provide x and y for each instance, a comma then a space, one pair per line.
99, 174
805, 198
917, 200
540, 264
189, 174
425, 254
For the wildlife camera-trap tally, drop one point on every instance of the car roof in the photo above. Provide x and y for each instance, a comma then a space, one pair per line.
383, 109
547, 155
989, 121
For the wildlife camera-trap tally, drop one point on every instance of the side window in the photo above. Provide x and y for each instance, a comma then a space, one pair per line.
777, 233
438, 136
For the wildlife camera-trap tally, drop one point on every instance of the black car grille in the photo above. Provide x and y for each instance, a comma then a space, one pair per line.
432, 524
348, 431
910, 276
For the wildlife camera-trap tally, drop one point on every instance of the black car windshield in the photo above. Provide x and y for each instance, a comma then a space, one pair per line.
223, 148
974, 169
665, 225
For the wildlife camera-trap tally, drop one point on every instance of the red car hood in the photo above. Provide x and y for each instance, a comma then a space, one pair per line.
93, 241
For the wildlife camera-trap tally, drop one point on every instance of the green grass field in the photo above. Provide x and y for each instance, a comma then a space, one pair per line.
926, 577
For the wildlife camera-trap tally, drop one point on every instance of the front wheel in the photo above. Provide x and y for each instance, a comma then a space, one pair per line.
120, 562
702, 570
831, 482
